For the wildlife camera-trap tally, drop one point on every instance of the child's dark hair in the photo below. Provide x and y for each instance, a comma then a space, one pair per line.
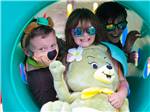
110, 10
82, 15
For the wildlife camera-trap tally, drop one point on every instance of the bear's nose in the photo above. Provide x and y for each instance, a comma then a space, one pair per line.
109, 67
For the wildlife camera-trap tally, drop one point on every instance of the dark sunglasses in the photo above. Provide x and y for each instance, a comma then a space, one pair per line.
111, 27
78, 31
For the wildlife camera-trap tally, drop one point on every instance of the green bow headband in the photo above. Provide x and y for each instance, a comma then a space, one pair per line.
42, 21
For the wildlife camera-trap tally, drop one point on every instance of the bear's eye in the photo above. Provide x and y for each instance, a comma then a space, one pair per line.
94, 65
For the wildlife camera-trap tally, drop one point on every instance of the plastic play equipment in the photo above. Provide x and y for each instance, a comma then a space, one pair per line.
15, 94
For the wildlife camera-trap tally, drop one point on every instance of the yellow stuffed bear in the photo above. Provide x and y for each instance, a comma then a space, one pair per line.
91, 80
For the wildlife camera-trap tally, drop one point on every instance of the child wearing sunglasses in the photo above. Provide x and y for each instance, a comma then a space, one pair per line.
41, 46
113, 17
82, 30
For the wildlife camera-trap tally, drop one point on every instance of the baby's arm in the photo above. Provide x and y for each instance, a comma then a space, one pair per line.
117, 99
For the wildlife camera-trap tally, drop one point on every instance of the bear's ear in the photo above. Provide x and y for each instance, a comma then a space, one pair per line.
50, 22
101, 48
104, 48
30, 27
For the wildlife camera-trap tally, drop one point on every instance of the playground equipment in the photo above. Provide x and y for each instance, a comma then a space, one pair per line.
15, 94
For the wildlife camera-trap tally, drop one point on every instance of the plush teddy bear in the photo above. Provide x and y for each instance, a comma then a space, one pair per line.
87, 83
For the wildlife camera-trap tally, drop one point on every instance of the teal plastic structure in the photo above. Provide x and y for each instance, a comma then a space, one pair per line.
15, 94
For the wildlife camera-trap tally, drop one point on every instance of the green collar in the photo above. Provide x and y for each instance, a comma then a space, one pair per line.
32, 62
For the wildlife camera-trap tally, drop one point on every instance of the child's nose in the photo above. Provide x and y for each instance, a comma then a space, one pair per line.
85, 34
117, 31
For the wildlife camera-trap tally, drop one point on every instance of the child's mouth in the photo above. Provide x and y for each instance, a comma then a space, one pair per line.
115, 37
85, 40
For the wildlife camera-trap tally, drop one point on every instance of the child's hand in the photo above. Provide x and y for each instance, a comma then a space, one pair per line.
131, 38
133, 57
116, 100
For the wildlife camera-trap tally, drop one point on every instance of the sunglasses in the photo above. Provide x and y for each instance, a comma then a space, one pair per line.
78, 31
111, 27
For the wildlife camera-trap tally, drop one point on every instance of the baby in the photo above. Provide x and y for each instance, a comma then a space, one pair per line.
41, 46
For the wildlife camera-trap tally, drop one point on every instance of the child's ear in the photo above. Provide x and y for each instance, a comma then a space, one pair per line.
28, 52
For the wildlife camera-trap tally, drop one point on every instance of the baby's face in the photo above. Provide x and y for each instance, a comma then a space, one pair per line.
44, 49
46, 44
84, 35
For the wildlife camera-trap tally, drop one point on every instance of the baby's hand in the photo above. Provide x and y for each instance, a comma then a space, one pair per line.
116, 100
